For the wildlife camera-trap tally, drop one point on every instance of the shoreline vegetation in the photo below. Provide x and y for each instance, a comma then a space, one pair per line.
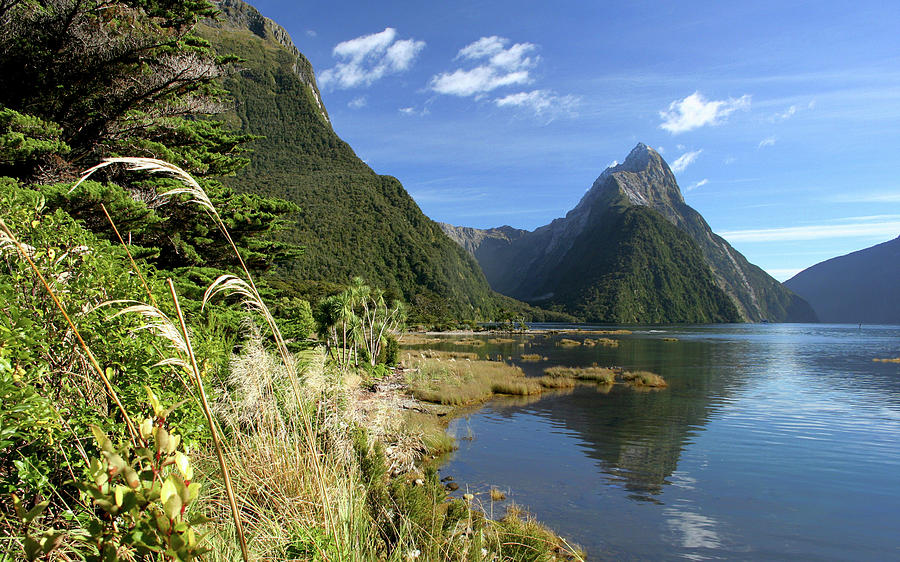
253, 446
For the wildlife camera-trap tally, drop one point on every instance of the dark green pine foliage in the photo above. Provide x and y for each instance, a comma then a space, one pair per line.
83, 80
353, 222
642, 270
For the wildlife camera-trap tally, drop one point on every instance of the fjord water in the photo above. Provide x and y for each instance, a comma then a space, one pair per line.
771, 442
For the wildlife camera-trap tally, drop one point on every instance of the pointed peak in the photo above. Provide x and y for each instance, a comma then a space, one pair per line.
638, 160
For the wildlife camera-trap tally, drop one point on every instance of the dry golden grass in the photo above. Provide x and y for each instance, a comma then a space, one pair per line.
644, 378
418, 339
500, 341
606, 342
891, 360
532, 357
600, 375
447, 381
548, 381
497, 495
566, 342
472, 342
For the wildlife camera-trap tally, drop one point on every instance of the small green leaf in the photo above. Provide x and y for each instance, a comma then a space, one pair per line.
35, 511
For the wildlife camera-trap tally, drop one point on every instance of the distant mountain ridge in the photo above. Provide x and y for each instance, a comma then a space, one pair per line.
539, 266
860, 287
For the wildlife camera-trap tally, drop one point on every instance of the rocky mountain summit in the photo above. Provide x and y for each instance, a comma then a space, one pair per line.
530, 265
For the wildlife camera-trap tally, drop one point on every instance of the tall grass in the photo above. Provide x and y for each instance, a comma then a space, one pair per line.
291, 474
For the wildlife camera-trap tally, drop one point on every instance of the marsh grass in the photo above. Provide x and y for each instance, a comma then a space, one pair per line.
566, 342
500, 341
600, 375
606, 342
532, 357
888, 360
456, 383
644, 379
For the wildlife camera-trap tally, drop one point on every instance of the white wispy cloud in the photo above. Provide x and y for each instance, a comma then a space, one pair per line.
786, 114
496, 66
357, 103
450, 195
311, 33
695, 185
696, 111
874, 197
768, 141
412, 111
685, 160
867, 229
369, 58
543, 103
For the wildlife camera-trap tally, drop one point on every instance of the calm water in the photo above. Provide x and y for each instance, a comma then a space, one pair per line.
771, 442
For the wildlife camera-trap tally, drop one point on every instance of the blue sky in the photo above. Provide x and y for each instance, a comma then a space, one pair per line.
780, 119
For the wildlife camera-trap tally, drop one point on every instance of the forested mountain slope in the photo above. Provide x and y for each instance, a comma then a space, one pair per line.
353, 222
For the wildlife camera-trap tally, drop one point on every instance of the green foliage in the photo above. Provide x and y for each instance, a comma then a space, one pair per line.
25, 141
36, 341
109, 74
142, 497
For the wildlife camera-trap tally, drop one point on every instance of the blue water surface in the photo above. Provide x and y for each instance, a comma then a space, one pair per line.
772, 442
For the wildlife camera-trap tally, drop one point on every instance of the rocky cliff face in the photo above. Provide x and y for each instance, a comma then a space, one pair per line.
528, 267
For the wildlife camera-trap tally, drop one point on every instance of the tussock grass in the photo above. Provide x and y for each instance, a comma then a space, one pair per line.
471, 342
600, 375
521, 537
890, 360
532, 357
418, 339
497, 495
566, 342
644, 378
607, 342
500, 341
548, 381
455, 383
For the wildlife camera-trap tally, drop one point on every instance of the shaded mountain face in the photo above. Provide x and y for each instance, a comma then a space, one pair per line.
586, 262
354, 222
862, 286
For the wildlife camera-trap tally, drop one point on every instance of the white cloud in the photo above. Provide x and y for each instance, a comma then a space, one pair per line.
868, 229
786, 114
768, 141
311, 33
412, 111
660, 149
695, 111
729, 160
543, 103
358, 103
685, 160
613, 164
884, 197
695, 185
369, 58
498, 66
